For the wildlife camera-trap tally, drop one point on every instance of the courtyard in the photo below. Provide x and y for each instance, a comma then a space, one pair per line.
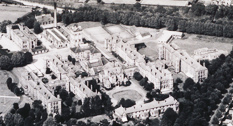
133, 92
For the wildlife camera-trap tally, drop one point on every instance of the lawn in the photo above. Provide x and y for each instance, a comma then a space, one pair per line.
4, 91
12, 12
151, 50
192, 42
9, 44
127, 94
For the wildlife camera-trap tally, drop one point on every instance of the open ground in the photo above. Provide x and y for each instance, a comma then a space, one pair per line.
12, 12
192, 42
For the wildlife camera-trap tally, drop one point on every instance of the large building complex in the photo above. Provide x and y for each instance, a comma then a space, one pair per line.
22, 36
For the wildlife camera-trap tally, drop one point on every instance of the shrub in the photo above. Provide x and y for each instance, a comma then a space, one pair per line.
45, 80
53, 77
69, 58
48, 71
128, 83
126, 103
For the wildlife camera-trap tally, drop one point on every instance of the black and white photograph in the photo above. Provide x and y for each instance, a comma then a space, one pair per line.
116, 62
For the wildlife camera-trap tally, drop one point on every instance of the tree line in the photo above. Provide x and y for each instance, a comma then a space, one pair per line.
17, 59
156, 20
28, 115
14, 88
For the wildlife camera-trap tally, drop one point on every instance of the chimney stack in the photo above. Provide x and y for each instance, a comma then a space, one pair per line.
55, 14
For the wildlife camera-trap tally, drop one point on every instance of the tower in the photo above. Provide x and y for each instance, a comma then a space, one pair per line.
55, 14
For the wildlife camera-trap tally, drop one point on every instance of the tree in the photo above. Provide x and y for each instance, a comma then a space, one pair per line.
73, 61
168, 118
198, 9
5, 63
99, 1
49, 122
137, 5
9, 81
58, 118
8, 119
171, 25
69, 58
104, 122
53, 77
24, 112
3, 25
45, 80
17, 91
128, 83
178, 80
18, 120
15, 106
137, 76
28, 121
63, 94
30, 22
28, 57
18, 59
65, 19
149, 86
188, 84
215, 121
127, 103
48, 71
72, 122
37, 28
211, 9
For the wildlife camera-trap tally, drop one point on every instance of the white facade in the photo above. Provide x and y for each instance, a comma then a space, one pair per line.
35, 88
207, 54
153, 109
22, 36
182, 62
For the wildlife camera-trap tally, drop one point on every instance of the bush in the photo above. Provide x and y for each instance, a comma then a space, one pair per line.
53, 77
48, 71
73, 61
79, 102
143, 81
69, 58
149, 86
84, 74
45, 80
178, 80
9, 81
128, 83
127, 103
137, 76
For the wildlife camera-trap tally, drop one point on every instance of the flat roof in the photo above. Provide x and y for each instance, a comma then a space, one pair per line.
97, 33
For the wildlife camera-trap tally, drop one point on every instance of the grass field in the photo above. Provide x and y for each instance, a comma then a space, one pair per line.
151, 50
127, 94
12, 12
6, 104
192, 42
